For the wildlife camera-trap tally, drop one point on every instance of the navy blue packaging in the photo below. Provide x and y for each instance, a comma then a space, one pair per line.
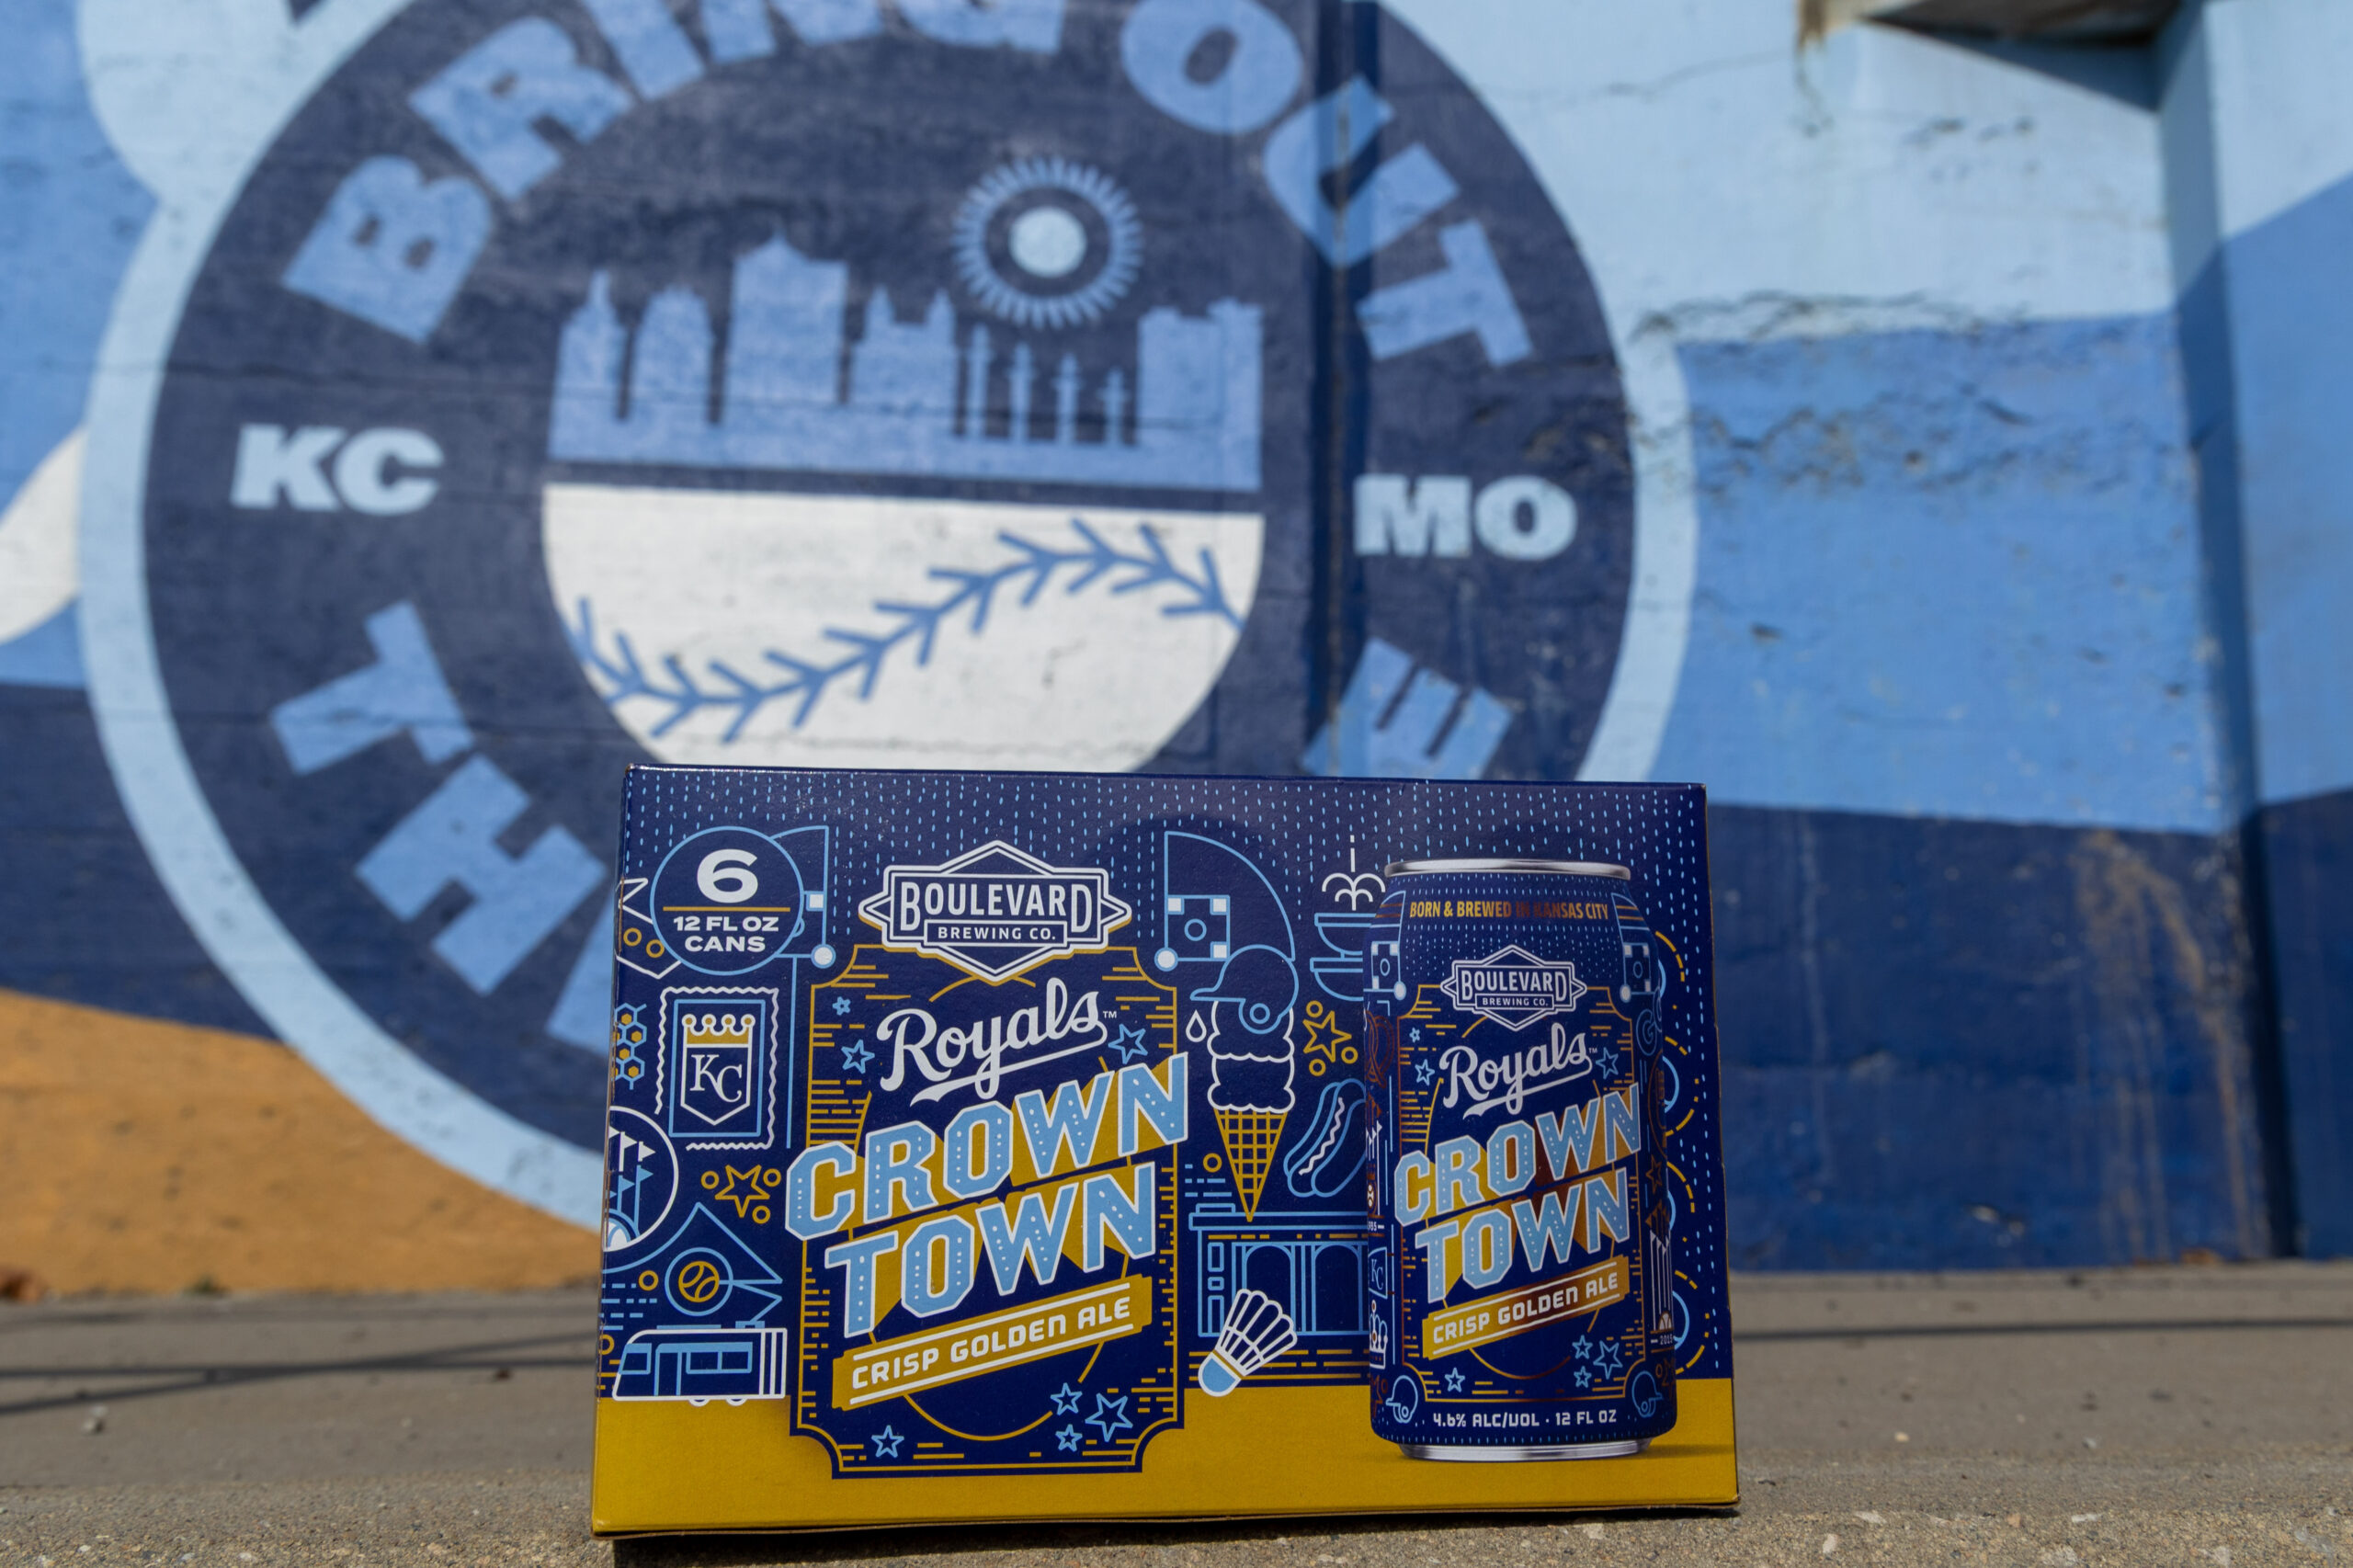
1003, 1137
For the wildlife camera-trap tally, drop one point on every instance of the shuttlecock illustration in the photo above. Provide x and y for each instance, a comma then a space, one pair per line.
1256, 1331
1251, 1061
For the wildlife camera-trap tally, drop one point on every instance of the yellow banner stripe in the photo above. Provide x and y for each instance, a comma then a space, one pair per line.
977, 1346
1491, 1318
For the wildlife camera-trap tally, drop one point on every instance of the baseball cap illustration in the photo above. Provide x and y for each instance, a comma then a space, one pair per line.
1260, 983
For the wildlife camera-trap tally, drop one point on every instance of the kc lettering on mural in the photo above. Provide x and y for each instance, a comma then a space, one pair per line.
381, 472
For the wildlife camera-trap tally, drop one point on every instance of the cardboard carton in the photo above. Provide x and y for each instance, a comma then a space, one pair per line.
951, 1114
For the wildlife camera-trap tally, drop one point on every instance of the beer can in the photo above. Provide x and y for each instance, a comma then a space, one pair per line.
1522, 1272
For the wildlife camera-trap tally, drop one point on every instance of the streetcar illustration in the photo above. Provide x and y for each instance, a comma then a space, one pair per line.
699, 1365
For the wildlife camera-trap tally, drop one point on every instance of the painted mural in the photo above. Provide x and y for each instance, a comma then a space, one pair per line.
417, 412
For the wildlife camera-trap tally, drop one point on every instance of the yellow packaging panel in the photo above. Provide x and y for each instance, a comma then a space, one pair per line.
666, 1465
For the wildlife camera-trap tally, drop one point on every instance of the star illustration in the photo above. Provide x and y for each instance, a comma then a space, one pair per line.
1423, 1073
1110, 1416
855, 1057
1067, 1399
752, 1191
1584, 1347
1454, 1382
885, 1444
1130, 1038
1584, 1377
1605, 1062
1418, 1034
1069, 1437
841, 1006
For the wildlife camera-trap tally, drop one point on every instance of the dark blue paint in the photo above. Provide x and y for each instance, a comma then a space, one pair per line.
1953, 1044
2308, 864
49, 654
89, 922
351, 698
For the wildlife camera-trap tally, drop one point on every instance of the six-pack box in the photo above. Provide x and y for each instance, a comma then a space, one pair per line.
995, 1146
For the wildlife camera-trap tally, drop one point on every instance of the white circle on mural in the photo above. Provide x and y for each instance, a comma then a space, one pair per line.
1048, 241
38, 573
865, 632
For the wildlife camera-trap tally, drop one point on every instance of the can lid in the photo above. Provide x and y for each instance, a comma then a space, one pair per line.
1557, 867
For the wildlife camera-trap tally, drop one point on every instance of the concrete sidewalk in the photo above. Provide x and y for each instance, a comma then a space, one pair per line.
2190, 1416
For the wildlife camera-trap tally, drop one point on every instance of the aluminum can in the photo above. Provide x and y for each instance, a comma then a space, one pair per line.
1522, 1272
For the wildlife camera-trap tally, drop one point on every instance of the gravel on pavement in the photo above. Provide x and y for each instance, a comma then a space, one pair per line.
2190, 1415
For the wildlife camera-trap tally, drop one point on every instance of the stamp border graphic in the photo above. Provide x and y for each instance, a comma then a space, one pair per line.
192, 852
775, 1020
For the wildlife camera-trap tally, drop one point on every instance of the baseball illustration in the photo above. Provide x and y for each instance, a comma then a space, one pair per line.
852, 632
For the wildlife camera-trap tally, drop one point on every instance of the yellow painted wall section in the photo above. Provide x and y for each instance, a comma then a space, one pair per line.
148, 1156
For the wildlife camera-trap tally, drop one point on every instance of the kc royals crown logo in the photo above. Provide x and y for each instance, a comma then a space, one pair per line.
718, 1092
513, 389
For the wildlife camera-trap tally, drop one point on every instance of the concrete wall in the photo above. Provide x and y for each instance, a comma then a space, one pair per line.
415, 413
2261, 158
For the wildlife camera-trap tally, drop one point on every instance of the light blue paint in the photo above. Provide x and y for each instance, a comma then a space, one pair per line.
1260, 74
49, 654
404, 690
393, 248
488, 103
651, 45
1468, 295
1034, 25
69, 215
2291, 343
1391, 720
1195, 409
583, 1014
1330, 134
738, 30
1949, 574
451, 840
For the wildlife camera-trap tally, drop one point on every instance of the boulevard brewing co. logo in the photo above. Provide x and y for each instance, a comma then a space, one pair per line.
995, 911
911, 383
1513, 986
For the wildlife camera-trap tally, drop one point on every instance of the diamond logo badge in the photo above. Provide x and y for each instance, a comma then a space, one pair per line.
1514, 987
995, 911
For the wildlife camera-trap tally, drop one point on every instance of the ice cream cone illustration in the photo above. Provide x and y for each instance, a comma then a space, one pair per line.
1250, 1138
1251, 1063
